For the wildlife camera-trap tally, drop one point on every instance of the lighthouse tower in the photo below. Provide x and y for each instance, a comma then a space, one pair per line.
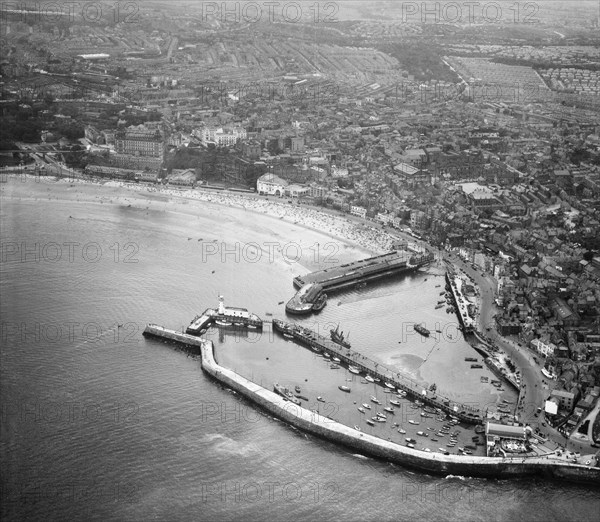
221, 305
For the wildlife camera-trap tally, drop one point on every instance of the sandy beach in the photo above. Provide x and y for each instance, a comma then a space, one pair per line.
355, 233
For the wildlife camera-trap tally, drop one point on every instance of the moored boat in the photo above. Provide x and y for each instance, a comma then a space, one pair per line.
344, 388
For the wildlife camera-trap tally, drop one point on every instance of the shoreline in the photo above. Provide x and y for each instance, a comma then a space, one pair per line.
356, 235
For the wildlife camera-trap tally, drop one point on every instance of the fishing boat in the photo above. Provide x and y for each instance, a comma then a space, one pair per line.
344, 388
337, 337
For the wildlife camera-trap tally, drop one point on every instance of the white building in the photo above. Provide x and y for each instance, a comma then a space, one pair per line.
355, 210
221, 137
543, 348
271, 184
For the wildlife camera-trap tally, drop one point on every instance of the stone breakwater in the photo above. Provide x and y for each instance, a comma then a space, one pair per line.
437, 463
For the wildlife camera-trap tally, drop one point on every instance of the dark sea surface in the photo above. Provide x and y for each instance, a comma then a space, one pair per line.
99, 423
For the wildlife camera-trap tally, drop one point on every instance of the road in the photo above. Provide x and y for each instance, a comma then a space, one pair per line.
535, 388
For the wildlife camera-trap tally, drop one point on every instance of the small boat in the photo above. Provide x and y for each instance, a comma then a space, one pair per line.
280, 302
389, 410
375, 400
288, 335
326, 355
400, 430
410, 445
434, 439
361, 409
370, 422
379, 419
320, 399
380, 415
395, 402
366, 406
334, 366
388, 385
442, 450
376, 379
425, 415
476, 366
422, 433
385, 390
369, 378
222, 323
413, 422
408, 439
353, 369
298, 389
356, 428
303, 397
336, 359
344, 388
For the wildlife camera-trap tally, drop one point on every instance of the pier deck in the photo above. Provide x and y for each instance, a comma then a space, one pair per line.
372, 268
368, 366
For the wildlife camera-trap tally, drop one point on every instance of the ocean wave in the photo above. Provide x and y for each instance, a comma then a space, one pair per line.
459, 477
227, 446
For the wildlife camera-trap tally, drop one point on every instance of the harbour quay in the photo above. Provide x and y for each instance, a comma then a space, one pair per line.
367, 366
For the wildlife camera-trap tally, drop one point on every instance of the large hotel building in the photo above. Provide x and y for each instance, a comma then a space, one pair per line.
140, 147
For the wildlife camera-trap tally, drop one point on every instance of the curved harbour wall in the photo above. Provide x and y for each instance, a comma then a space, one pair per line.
438, 463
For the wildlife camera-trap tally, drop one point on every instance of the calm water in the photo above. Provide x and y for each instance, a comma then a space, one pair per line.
100, 424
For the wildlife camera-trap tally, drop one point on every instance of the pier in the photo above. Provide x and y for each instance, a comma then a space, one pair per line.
160, 332
369, 367
460, 302
369, 269
223, 316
